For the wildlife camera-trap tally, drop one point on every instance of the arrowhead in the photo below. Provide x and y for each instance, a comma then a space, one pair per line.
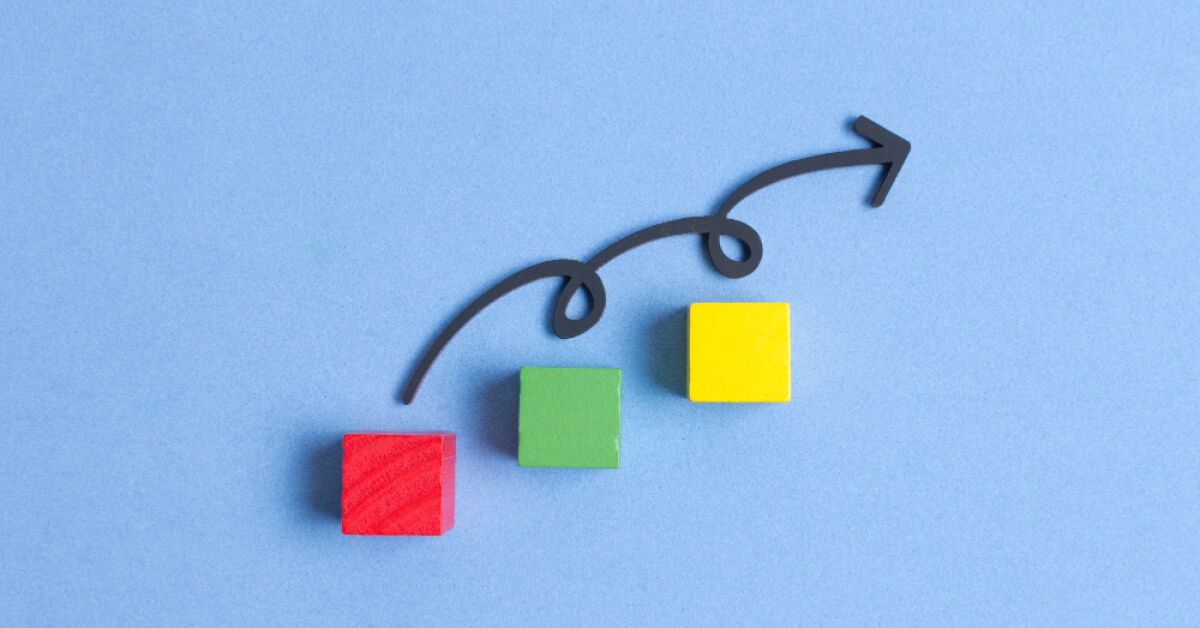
896, 151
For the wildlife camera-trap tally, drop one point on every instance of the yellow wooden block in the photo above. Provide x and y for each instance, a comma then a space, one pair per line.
739, 352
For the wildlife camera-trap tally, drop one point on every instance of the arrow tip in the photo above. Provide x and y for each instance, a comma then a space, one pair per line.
896, 149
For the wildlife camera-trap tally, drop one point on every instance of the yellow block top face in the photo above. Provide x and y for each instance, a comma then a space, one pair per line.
739, 352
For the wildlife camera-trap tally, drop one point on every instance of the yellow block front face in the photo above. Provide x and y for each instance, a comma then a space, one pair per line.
739, 352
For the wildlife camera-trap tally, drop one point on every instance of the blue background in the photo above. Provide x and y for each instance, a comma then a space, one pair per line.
226, 233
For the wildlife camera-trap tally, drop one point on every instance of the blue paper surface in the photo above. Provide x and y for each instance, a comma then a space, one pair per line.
227, 231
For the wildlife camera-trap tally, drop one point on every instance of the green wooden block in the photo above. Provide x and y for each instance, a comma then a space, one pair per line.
569, 417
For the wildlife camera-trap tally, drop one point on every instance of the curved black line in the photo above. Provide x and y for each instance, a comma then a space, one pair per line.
890, 151
583, 275
552, 268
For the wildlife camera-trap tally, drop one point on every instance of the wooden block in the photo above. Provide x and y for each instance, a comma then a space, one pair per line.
569, 417
739, 352
398, 483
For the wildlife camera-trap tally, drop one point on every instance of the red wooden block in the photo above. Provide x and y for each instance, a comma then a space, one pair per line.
398, 483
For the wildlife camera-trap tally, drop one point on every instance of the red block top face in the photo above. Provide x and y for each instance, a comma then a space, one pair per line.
397, 483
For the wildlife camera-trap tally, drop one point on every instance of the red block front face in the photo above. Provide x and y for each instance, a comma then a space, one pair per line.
397, 483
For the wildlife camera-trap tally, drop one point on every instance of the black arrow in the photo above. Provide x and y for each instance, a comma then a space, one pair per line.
890, 151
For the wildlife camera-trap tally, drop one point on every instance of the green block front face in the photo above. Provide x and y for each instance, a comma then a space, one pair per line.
569, 417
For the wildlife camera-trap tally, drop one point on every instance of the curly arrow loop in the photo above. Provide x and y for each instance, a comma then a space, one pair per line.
890, 151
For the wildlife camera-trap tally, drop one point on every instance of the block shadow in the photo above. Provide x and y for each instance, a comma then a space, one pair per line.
323, 487
497, 406
666, 344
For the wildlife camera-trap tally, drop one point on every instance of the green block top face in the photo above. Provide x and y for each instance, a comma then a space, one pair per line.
569, 417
